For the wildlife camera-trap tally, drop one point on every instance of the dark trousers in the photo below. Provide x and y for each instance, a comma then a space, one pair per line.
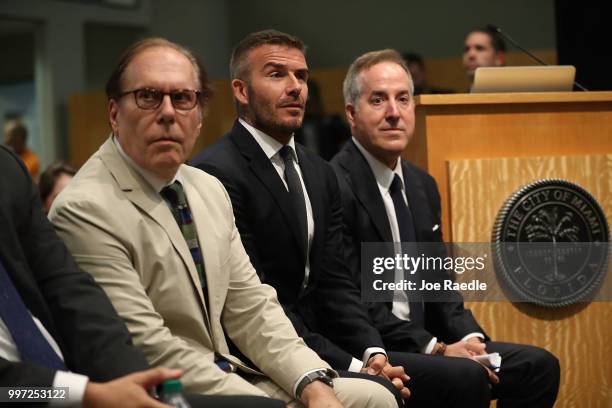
529, 377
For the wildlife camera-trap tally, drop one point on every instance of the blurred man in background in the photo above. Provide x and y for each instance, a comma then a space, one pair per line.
16, 137
482, 48
53, 180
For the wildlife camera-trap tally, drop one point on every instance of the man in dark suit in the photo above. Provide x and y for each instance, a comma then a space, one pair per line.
386, 199
287, 205
55, 321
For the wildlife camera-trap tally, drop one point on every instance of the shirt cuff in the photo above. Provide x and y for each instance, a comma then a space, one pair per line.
75, 383
430, 346
302, 377
370, 351
356, 366
474, 334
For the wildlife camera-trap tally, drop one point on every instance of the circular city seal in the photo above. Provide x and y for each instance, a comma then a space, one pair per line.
550, 243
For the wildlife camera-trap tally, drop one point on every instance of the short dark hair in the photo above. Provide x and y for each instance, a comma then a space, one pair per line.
113, 85
49, 177
257, 39
498, 43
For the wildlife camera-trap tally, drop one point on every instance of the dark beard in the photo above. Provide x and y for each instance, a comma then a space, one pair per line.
262, 118
274, 128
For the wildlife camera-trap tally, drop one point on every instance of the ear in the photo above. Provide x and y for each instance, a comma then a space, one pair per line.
200, 120
241, 91
113, 113
349, 110
500, 59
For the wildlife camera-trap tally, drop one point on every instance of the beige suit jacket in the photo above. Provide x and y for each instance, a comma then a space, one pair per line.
122, 232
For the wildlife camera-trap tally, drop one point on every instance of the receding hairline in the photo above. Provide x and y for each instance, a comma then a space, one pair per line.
362, 72
352, 84
114, 85
158, 47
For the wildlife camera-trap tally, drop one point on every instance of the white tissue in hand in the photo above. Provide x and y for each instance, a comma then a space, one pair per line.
493, 361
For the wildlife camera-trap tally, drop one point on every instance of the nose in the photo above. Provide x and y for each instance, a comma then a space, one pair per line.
166, 110
295, 86
392, 113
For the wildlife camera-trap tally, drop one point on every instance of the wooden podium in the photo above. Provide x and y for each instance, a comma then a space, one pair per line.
481, 148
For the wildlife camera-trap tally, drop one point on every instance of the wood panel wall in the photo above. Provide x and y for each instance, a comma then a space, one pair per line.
580, 335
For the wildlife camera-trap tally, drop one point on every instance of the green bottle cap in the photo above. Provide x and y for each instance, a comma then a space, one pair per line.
172, 387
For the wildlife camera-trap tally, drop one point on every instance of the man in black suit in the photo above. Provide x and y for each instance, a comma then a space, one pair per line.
386, 199
287, 206
55, 321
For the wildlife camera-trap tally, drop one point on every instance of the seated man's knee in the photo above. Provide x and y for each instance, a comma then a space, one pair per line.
470, 375
545, 361
361, 393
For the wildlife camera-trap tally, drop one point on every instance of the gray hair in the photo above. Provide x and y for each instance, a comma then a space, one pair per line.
351, 88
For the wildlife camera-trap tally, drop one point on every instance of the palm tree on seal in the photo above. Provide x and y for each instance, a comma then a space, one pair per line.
547, 226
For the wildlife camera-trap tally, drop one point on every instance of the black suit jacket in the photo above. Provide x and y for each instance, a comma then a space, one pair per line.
327, 313
71, 306
366, 220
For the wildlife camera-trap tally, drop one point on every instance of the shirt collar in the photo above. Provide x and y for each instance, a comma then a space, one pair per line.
383, 174
154, 181
268, 144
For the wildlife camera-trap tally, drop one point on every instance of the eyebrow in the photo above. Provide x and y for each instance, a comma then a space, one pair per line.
477, 46
278, 65
384, 93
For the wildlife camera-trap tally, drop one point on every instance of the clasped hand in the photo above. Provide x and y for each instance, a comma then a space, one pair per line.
378, 365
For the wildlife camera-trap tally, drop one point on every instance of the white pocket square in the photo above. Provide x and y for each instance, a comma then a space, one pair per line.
435, 227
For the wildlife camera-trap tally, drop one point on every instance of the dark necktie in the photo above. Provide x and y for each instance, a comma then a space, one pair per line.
32, 345
405, 223
175, 194
297, 193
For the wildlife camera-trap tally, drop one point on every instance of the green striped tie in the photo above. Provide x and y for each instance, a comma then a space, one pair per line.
175, 194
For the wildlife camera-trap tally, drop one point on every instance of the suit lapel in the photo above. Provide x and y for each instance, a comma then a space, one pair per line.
265, 172
366, 189
209, 248
140, 193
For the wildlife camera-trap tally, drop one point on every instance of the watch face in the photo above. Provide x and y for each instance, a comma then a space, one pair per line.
326, 379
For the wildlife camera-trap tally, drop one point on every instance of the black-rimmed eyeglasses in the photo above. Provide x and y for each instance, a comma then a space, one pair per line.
150, 98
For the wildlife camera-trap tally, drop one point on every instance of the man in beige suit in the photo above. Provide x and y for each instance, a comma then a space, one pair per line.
160, 238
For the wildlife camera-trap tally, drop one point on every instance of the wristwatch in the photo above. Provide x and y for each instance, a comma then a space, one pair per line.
319, 375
